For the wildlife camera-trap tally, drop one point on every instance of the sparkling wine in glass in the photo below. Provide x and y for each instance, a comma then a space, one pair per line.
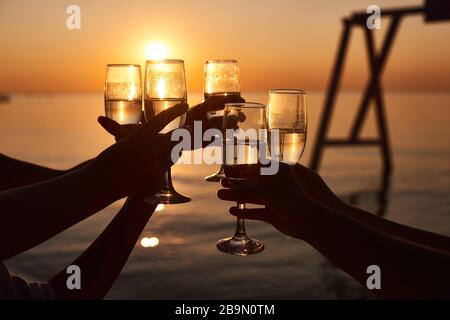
221, 85
242, 163
165, 86
286, 124
123, 93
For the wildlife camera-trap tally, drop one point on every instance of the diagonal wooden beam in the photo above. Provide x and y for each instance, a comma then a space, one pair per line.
378, 96
376, 71
331, 96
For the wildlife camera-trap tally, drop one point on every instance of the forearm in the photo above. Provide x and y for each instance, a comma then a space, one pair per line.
35, 213
424, 238
407, 270
103, 261
78, 166
16, 173
319, 191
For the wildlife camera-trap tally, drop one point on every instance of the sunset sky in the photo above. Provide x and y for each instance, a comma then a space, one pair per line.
279, 43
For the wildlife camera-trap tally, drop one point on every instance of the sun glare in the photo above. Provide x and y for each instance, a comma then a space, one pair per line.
156, 51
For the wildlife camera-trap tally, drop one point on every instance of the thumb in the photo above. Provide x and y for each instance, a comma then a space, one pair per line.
109, 125
163, 118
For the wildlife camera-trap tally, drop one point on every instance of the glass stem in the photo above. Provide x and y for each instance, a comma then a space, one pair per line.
168, 180
240, 225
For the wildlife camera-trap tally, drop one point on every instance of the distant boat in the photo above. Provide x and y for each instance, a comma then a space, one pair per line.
4, 97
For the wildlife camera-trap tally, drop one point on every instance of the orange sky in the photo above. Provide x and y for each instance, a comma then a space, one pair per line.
279, 43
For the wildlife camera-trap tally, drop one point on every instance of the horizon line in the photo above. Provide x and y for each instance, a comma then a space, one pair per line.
62, 92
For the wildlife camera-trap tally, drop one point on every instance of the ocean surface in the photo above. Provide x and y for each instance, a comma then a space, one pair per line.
61, 130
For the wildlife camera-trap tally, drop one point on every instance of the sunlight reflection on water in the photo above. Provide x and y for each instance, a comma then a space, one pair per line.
149, 242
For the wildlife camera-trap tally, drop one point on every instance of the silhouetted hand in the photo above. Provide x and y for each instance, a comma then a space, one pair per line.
316, 188
311, 185
198, 112
283, 196
137, 162
119, 131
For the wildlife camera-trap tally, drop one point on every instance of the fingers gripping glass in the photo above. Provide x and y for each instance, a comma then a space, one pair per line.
221, 81
242, 164
165, 87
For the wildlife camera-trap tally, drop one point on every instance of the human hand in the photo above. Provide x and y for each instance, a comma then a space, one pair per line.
119, 131
214, 103
286, 202
199, 113
136, 163
316, 189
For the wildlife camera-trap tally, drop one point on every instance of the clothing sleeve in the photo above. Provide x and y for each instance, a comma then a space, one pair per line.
13, 287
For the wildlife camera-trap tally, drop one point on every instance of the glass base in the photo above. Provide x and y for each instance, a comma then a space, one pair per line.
167, 197
167, 194
171, 197
240, 246
216, 177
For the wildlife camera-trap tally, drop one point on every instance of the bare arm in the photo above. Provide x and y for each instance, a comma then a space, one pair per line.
33, 214
316, 188
17, 173
408, 269
103, 261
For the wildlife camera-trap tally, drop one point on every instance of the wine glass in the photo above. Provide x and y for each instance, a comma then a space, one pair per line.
165, 86
242, 163
123, 93
221, 82
286, 124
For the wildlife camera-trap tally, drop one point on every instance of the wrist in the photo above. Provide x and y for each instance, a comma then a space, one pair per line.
104, 183
314, 216
305, 221
138, 202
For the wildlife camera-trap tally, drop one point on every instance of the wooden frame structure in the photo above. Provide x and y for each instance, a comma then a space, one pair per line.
434, 10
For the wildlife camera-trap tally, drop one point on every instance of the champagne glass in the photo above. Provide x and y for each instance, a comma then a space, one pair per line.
242, 163
221, 82
123, 93
165, 86
286, 124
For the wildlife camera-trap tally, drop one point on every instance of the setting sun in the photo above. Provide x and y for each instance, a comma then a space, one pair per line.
327, 122
156, 51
